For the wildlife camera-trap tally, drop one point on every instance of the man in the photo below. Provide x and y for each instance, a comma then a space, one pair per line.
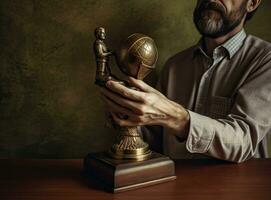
217, 94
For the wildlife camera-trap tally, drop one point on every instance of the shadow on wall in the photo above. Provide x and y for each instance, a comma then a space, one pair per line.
49, 106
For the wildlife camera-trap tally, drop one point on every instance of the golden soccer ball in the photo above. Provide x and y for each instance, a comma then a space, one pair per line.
137, 55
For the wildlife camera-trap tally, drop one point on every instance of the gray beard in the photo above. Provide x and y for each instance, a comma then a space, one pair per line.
210, 26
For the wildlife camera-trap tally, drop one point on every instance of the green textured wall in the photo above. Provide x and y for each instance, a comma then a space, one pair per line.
49, 106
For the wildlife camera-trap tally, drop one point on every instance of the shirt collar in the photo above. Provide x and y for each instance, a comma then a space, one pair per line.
235, 43
231, 46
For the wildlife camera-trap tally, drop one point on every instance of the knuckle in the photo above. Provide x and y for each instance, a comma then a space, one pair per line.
145, 97
124, 93
141, 110
150, 98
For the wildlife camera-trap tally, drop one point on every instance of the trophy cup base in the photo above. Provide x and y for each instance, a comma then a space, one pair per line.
135, 154
117, 175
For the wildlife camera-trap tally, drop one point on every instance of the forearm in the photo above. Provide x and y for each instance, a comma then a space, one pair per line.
109, 53
233, 139
102, 53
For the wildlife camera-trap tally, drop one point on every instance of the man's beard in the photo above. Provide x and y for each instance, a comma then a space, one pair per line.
212, 20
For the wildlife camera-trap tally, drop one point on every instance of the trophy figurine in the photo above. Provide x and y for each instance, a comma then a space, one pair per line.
102, 54
129, 163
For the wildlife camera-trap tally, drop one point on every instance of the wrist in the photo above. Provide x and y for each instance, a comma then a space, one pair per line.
180, 123
182, 132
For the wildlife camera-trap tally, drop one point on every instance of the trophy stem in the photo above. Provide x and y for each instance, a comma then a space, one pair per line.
130, 146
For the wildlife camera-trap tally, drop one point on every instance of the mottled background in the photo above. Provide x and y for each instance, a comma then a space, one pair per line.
49, 107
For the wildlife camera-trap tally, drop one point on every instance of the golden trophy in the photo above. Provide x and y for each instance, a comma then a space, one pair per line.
129, 163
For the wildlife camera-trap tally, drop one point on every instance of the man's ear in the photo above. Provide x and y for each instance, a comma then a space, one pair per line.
253, 5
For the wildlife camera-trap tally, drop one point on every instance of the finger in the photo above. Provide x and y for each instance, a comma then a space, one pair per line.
122, 122
140, 85
116, 107
125, 91
117, 99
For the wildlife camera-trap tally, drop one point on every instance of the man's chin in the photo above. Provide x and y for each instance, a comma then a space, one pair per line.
210, 32
209, 28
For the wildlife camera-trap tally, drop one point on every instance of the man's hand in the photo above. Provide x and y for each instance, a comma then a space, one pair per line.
145, 106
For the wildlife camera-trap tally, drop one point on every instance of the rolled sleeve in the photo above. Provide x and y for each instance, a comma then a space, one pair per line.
201, 133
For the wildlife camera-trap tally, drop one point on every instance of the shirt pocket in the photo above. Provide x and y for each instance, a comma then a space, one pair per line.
220, 107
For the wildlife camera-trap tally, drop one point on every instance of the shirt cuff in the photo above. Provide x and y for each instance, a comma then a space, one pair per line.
201, 133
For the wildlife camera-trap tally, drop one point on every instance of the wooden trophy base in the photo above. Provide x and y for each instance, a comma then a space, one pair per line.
122, 175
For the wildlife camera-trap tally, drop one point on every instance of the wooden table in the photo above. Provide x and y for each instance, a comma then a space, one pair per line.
197, 179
